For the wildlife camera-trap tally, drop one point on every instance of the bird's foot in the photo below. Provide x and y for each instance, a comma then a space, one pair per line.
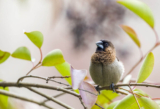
112, 87
97, 88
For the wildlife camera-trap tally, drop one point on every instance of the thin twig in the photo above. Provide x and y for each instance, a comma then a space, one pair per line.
118, 91
23, 98
49, 98
31, 76
134, 97
99, 106
132, 84
49, 78
52, 77
14, 84
128, 91
82, 103
56, 96
33, 68
38, 64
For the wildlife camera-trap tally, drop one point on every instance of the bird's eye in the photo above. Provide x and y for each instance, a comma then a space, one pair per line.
106, 44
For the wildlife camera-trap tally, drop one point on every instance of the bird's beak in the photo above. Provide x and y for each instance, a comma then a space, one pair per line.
100, 44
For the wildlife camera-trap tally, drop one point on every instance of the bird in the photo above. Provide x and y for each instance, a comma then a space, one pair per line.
105, 68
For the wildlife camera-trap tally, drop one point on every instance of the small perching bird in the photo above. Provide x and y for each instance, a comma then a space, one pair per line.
105, 68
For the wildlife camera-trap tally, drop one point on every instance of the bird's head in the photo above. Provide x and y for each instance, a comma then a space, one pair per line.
104, 45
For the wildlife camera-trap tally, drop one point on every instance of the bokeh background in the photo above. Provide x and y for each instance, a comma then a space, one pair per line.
72, 26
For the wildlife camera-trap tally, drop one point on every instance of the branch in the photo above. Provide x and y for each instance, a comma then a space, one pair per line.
49, 78
23, 98
14, 84
99, 106
56, 96
46, 79
133, 84
52, 99
82, 103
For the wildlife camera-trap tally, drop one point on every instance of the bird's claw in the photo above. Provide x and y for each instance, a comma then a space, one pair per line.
97, 88
112, 87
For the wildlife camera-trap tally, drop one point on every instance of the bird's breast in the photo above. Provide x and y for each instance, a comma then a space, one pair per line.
104, 74
103, 57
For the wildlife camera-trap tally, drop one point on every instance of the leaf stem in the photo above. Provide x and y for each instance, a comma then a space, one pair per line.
157, 38
38, 64
155, 98
41, 55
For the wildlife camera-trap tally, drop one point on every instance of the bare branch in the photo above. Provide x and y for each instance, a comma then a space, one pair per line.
99, 106
43, 78
82, 103
56, 96
118, 91
52, 99
132, 84
14, 84
23, 98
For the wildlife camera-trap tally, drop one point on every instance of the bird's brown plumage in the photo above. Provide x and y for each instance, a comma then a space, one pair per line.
106, 57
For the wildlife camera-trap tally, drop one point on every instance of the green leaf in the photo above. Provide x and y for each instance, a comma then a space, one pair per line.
129, 102
158, 102
3, 98
64, 69
22, 53
4, 56
132, 34
112, 105
105, 97
53, 58
146, 68
140, 92
139, 8
36, 37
